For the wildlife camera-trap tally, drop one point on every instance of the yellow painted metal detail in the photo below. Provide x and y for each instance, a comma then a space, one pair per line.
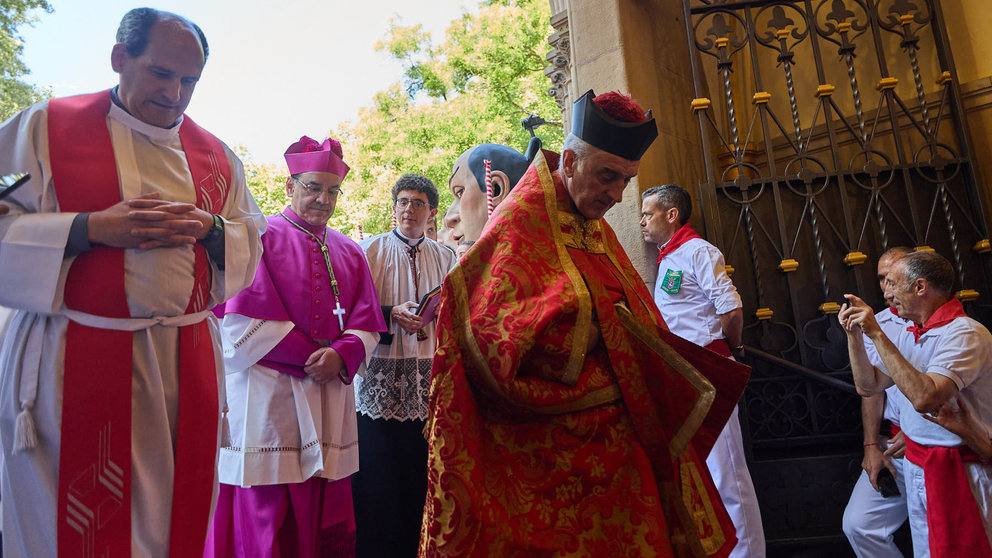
843, 27
762, 97
763, 313
700, 103
982, 246
887, 83
923, 248
829, 308
722, 42
788, 265
944, 78
855, 258
906, 19
782, 33
824, 89
730, 270
966, 295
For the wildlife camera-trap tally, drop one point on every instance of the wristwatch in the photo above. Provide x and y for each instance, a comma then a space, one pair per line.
216, 231
738, 353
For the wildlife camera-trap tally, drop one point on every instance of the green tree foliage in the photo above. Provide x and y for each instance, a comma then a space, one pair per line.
14, 93
475, 87
267, 183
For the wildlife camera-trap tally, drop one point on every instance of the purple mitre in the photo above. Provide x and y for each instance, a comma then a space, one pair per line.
307, 155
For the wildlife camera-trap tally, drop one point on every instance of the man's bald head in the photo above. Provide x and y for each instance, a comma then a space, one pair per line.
136, 26
156, 84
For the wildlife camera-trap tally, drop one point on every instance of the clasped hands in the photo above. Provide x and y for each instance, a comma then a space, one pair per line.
148, 222
323, 365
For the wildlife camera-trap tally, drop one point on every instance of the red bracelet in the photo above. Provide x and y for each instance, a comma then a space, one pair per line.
875, 443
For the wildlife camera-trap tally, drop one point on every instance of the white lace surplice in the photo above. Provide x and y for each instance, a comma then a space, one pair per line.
398, 377
283, 429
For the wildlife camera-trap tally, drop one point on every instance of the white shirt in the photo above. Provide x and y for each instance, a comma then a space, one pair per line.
960, 351
703, 293
892, 326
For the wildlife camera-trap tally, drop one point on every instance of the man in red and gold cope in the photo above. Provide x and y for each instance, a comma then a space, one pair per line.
135, 222
293, 342
564, 418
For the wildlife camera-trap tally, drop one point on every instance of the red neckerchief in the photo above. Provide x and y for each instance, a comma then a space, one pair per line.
894, 311
944, 315
681, 236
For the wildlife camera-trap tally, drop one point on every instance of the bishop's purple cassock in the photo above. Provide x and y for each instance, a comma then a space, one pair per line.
294, 441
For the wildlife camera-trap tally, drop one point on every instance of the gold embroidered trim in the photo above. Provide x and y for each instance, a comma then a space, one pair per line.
466, 340
690, 476
704, 389
585, 234
583, 323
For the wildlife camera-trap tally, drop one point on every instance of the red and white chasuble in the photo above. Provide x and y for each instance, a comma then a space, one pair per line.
121, 334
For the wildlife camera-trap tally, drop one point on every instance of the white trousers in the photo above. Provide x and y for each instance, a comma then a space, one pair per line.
728, 468
870, 520
980, 479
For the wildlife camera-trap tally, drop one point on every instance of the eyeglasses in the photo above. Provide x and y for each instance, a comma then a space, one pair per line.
315, 192
403, 203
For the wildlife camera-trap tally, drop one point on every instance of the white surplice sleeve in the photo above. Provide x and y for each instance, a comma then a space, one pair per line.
33, 234
247, 340
243, 226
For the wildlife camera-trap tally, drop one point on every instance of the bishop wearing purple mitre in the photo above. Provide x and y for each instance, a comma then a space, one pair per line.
293, 342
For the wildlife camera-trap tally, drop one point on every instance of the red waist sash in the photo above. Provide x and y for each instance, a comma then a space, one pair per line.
94, 489
953, 518
720, 347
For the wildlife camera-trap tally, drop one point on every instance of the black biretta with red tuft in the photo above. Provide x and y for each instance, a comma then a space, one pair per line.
614, 123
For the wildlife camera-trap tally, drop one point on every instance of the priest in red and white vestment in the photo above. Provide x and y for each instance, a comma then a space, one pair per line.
564, 418
135, 222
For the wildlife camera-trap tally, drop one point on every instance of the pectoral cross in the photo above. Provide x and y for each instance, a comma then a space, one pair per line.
339, 312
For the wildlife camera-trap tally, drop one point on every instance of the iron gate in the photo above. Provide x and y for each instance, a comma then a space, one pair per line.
831, 131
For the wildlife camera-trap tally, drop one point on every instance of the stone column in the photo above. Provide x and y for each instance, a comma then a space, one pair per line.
639, 48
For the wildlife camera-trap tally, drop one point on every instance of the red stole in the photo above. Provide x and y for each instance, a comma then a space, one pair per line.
94, 493
681, 236
953, 518
944, 315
